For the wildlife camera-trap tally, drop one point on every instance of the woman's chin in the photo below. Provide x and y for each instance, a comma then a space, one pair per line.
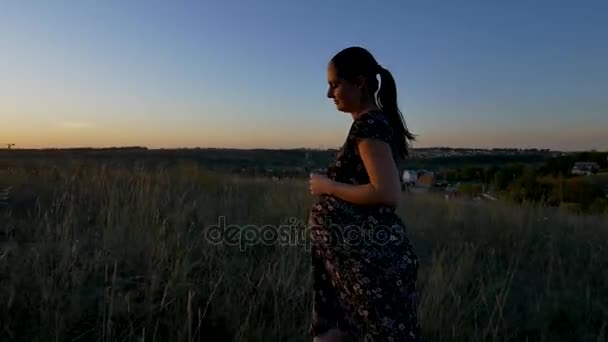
340, 108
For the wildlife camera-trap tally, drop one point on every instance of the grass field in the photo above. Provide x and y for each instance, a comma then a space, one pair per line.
600, 178
92, 253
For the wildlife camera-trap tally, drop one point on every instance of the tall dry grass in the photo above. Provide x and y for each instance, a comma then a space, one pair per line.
91, 253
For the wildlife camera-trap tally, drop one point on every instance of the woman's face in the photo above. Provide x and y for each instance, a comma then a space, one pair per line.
346, 95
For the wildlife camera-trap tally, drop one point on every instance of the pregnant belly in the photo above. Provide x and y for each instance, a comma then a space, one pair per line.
344, 227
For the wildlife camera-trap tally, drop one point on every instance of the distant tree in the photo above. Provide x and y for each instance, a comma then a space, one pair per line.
507, 175
555, 166
528, 188
601, 158
582, 192
472, 173
452, 175
599, 206
471, 189
502, 179
489, 174
564, 164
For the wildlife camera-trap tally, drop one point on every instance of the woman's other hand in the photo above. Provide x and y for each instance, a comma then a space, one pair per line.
320, 184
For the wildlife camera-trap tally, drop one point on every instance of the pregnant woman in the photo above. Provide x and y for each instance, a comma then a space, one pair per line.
364, 267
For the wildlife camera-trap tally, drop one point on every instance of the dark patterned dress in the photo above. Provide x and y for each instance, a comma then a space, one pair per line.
364, 267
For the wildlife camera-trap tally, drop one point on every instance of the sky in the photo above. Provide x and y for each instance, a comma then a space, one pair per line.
252, 74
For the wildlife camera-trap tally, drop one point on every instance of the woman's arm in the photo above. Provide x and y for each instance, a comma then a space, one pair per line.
384, 187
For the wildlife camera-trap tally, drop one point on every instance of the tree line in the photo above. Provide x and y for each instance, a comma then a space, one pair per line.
551, 183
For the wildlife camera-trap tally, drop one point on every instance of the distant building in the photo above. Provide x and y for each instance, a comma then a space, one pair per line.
409, 177
585, 168
426, 180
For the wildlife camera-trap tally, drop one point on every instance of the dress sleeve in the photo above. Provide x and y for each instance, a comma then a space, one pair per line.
372, 127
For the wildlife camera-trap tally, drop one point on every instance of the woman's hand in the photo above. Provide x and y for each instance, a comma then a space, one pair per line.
320, 184
333, 335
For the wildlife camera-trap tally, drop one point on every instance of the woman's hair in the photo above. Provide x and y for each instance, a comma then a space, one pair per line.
353, 62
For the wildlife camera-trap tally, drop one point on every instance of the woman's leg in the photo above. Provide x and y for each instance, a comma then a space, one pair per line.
381, 303
325, 306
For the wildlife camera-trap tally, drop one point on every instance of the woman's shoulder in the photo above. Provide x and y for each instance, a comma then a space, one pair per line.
373, 116
372, 124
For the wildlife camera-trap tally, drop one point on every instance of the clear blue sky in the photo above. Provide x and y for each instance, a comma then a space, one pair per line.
252, 73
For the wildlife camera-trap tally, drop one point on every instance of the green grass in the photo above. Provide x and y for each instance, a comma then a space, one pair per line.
90, 253
600, 178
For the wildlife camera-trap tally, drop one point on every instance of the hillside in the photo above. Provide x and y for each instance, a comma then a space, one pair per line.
118, 254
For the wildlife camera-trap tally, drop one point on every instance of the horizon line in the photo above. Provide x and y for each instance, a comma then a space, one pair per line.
14, 148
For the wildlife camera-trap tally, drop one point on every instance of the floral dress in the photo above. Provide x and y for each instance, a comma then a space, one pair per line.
364, 267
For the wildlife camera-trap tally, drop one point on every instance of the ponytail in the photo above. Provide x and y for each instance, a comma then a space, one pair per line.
387, 101
356, 61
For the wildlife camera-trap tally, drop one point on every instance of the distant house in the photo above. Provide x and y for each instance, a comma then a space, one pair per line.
409, 177
426, 180
585, 168
417, 179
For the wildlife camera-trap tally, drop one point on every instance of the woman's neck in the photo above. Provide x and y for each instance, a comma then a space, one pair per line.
364, 109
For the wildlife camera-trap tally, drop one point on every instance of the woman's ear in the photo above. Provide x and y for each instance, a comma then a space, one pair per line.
360, 82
